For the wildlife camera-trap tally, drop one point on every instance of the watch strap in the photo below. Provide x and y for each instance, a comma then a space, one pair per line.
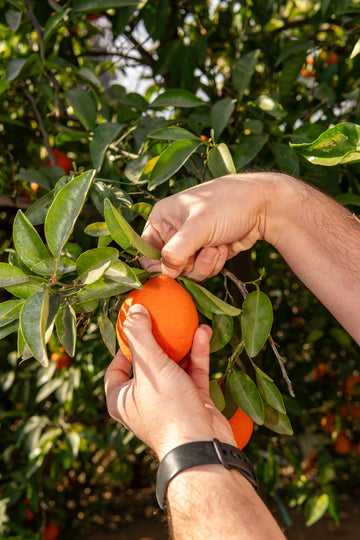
197, 453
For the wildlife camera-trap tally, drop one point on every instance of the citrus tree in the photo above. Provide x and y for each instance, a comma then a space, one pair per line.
224, 88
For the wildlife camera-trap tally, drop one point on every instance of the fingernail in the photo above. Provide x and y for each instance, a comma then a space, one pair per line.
135, 309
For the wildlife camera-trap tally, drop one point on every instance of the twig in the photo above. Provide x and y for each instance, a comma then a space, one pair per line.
37, 26
242, 288
40, 123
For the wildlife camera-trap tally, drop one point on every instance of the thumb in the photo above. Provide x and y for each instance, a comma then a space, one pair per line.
181, 247
144, 348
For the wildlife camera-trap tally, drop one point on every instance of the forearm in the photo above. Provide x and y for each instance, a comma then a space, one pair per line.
320, 240
206, 500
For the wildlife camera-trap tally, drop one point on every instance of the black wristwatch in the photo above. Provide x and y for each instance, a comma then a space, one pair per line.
201, 453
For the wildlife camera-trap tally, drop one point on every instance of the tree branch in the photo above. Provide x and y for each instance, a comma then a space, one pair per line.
37, 26
242, 288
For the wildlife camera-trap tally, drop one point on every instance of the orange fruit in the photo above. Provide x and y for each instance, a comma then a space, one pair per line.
328, 422
343, 444
332, 58
51, 531
173, 316
350, 384
320, 371
350, 411
242, 427
62, 360
61, 160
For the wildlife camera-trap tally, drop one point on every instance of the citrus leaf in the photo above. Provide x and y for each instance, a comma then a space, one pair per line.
12, 275
269, 391
97, 229
33, 319
172, 133
246, 396
8, 329
315, 508
177, 98
64, 211
13, 19
25, 290
84, 106
208, 300
122, 273
216, 395
102, 5
37, 212
220, 161
244, 70
124, 234
103, 137
92, 264
17, 66
277, 421
171, 160
339, 144
108, 334
65, 324
50, 266
220, 115
256, 321
248, 149
47, 389
52, 24
102, 288
290, 73
9, 311
222, 331
28, 244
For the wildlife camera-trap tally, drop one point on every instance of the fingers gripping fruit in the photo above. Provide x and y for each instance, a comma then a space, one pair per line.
173, 316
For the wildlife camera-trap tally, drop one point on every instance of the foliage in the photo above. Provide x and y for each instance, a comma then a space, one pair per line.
263, 85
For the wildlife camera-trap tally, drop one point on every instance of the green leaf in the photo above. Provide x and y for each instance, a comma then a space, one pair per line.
339, 144
172, 133
222, 331
220, 161
124, 234
286, 158
290, 73
52, 266
248, 149
108, 334
65, 324
271, 106
216, 395
208, 300
24, 290
348, 199
220, 115
246, 396
8, 329
92, 264
269, 391
292, 48
37, 212
73, 439
17, 67
177, 98
64, 211
12, 275
33, 319
277, 421
47, 389
13, 19
103, 137
84, 106
9, 311
102, 5
143, 209
99, 228
171, 160
122, 273
256, 321
52, 24
102, 288
315, 508
244, 70
28, 244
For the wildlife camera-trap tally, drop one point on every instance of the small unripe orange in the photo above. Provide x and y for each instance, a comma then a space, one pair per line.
173, 316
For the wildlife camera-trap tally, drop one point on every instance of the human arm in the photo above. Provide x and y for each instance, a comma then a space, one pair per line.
200, 228
165, 406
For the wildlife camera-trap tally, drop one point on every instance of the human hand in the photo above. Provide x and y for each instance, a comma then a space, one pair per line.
163, 404
198, 229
